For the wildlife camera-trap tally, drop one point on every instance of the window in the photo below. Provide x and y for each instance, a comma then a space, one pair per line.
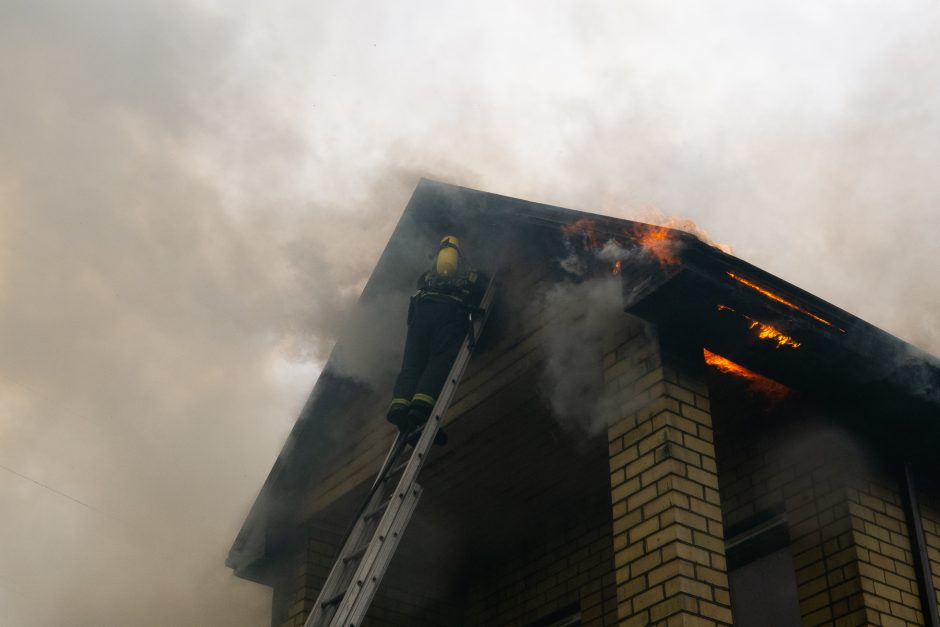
566, 617
761, 573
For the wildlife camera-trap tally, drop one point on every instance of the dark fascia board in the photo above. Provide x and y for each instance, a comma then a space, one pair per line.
886, 387
679, 297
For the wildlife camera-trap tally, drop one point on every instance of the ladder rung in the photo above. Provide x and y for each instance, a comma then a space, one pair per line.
416, 433
333, 600
377, 511
397, 469
356, 555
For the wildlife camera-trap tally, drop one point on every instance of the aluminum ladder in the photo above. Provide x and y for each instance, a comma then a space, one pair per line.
373, 538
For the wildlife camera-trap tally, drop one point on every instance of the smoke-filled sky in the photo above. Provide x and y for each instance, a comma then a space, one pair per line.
193, 193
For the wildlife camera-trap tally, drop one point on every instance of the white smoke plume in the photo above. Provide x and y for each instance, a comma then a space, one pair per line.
581, 317
584, 310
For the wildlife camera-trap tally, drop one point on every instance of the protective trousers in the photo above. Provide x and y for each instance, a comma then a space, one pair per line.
436, 330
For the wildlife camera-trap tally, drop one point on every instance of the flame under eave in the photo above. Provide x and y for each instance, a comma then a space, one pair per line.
759, 384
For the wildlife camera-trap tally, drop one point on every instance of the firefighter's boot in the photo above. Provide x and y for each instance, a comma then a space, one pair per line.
398, 415
417, 417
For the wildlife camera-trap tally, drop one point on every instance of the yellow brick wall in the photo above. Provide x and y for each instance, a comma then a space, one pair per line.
547, 574
782, 457
667, 528
848, 531
544, 573
930, 517
399, 603
883, 550
303, 572
546, 562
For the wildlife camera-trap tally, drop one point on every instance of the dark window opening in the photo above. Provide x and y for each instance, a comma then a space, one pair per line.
761, 572
569, 616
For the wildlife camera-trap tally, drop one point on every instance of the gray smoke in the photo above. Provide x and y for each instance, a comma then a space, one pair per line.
168, 289
193, 193
584, 311
581, 316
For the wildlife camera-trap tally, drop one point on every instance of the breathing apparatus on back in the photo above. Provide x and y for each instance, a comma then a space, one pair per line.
449, 275
448, 256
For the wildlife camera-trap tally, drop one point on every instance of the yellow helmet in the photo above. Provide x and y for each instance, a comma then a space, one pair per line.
448, 255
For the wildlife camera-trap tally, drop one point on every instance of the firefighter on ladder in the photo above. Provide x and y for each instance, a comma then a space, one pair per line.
439, 317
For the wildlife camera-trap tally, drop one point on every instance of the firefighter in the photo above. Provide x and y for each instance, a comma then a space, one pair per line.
438, 320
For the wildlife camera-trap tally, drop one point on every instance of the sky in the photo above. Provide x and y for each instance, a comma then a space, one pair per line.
193, 193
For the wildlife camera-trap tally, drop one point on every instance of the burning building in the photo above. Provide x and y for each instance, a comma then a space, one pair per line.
650, 432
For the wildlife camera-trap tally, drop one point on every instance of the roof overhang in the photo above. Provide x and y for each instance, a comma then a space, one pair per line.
723, 303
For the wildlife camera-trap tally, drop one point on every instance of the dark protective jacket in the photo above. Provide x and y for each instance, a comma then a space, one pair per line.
438, 320
465, 288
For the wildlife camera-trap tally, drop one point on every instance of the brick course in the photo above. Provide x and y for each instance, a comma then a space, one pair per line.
400, 602
547, 574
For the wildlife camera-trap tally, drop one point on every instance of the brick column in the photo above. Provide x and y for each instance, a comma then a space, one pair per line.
877, 548
853, 555
667, 531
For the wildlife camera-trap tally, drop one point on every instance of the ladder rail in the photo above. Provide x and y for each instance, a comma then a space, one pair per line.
356, 536
333, 583
398, 446
371, 566
384, 559
353, 537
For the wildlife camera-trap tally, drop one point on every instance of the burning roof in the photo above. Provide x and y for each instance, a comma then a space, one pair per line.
746, 320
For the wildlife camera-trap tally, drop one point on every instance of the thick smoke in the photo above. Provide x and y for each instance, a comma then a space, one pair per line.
192, 195
582, 316
584, 310
168, 289
376, 331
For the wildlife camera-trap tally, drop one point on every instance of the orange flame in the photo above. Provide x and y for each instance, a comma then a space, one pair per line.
766, 331
658, 240
779, 299
584, 226
757, 383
